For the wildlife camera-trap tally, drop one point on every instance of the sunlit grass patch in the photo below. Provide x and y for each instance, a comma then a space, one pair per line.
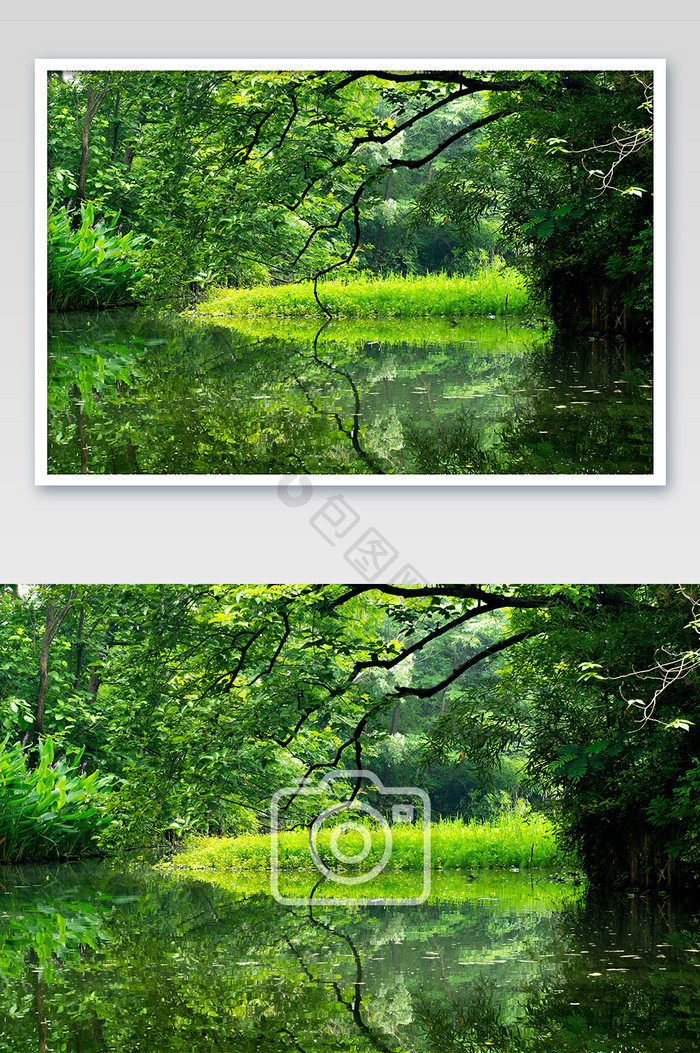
508, 841
491, 291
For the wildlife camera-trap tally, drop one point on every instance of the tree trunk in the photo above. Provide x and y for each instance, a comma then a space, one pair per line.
115, 126
79, 649
54, 620
395, 717
94, 101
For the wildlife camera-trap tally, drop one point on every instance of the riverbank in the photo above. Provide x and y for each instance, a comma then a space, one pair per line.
491, 291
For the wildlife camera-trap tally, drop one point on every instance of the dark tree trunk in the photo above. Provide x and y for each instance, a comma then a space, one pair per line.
395, 716
54, 620
115, 126
94, 101
79, 650
589, 304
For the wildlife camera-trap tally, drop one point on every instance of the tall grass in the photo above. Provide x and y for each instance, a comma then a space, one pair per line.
48, 811
92, 266
491, 291
508, 841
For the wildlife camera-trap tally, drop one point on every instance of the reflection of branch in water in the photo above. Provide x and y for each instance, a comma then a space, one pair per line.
354, 1007
353, 433
38, 998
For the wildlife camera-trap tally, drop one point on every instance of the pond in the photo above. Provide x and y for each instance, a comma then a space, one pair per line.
96, 958
133, 393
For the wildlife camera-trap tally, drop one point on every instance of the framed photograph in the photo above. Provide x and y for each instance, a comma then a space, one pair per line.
389, 276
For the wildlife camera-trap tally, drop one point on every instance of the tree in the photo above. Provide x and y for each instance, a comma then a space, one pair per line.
203, 700
244, 177
569, 171
620, 773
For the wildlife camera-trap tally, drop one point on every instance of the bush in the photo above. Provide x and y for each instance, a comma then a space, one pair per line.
92, 266
50, 812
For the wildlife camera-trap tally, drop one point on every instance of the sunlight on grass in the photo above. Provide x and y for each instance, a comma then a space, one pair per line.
489, 292
508, 841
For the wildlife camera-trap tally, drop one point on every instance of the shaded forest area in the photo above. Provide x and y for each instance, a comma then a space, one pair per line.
163, 183
135, 714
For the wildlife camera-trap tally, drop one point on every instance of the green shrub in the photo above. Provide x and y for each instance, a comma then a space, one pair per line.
92, 266
48, 812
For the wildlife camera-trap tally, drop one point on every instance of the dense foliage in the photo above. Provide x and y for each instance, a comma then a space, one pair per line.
202, 701
243, 178
91, 265
50, 809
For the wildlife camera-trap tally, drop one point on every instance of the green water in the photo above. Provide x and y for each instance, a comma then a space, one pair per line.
94, 958
133, 393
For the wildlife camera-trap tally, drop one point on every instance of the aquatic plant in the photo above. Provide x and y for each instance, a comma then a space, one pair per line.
90, 266
48, 811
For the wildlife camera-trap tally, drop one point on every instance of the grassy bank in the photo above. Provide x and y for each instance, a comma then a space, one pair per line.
489, 292
509, 841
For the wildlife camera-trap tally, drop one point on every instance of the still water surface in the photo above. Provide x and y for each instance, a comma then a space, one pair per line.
133, 393
93, 959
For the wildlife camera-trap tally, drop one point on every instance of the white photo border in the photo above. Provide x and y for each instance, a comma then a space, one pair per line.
657, 65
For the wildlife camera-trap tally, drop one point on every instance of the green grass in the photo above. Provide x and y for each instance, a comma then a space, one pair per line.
509, 841
491, 291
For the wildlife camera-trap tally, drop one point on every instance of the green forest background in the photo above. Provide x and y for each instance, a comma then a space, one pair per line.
134, 715
164, 183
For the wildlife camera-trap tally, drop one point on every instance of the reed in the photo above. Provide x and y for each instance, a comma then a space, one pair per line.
491, 291
48, 811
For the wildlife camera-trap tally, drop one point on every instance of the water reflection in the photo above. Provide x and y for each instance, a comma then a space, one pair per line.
93, 959
131, 393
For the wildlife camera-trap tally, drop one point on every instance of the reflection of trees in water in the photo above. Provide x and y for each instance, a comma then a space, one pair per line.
175, 966
591, 998
353, 432
153, 964
354, 1003
173, 399
535, 436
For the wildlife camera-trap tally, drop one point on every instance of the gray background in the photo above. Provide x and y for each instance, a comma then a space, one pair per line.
446, 533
